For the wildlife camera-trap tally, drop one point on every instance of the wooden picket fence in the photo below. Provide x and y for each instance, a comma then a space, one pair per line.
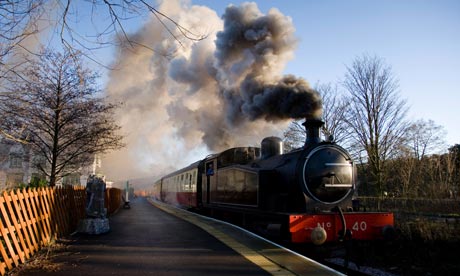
113, 200
32, 218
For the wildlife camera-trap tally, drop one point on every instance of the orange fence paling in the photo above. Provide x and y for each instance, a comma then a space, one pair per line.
31, 218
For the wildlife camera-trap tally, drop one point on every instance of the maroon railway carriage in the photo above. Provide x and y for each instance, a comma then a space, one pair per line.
304, 195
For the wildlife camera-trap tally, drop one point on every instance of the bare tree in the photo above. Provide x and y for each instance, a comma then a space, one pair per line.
420, 170
454, 169
376, 113
18, 22
294, 135
22, 21
118, 13
334, 106
425, 137
406, 179
65, 121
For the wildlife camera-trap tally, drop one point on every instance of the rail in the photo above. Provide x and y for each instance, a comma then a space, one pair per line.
32, 218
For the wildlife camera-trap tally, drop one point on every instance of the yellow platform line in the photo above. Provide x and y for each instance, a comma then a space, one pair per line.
252, 255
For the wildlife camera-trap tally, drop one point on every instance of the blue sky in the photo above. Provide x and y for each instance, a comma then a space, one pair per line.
420, 40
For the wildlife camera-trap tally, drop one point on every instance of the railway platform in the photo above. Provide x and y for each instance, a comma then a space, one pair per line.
151, 238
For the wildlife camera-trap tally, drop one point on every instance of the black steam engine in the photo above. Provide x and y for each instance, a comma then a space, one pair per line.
304, 195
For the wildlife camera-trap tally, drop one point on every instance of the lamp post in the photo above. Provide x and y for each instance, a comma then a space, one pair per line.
126, 205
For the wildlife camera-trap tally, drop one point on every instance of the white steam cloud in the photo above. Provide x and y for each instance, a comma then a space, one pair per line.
224, 91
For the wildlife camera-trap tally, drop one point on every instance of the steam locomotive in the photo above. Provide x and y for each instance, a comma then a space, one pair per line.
302, 196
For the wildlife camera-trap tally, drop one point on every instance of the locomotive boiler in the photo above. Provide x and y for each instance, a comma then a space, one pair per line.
304, 195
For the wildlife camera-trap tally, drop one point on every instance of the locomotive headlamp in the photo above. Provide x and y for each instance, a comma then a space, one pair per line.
318, 235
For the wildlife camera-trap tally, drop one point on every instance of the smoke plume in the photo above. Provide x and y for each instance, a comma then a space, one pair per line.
184, 100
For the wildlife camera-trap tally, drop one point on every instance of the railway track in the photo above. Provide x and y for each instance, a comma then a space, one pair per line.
336, 258
350, 259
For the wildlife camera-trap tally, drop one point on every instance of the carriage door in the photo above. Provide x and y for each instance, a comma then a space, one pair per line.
210, 169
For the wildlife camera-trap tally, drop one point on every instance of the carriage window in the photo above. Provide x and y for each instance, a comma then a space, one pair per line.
210, 169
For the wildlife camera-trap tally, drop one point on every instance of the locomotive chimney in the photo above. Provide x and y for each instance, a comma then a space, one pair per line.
312, 127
